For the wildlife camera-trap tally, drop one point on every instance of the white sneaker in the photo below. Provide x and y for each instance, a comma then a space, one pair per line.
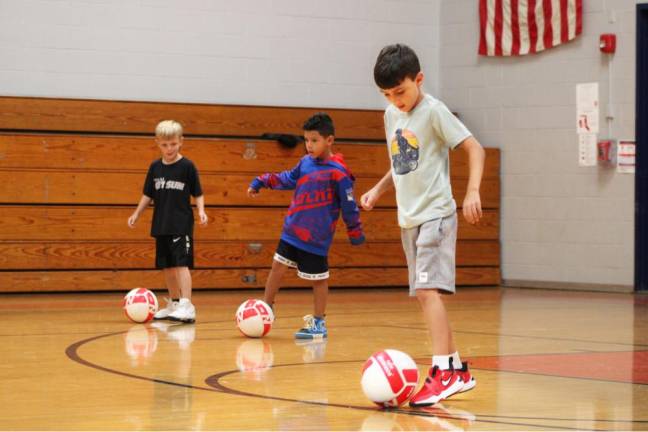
164, 313
185, 312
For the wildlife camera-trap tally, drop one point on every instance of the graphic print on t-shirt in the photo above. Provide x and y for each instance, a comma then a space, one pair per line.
161, 183
404, 151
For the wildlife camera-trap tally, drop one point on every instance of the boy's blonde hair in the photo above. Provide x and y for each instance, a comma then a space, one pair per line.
168, 129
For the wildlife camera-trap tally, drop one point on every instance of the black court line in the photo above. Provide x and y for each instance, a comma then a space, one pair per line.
414, 327
215, 386
72, 352
214, 381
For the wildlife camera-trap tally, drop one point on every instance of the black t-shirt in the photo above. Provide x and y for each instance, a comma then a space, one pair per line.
170, 187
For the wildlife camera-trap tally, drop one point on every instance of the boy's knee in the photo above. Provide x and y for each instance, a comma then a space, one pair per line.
278, 267
323, 283
427, 295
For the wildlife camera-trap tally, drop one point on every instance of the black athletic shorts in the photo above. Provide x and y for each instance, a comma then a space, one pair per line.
309, 265
173, 251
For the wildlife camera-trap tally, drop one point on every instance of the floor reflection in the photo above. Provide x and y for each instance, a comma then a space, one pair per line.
254, 357
313, 350
436, 418
175, 402
140, 343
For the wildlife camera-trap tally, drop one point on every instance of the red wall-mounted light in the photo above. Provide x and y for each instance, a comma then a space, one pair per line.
607, 43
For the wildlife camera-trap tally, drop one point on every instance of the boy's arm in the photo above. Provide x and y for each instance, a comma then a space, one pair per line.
472, 209
141, 206
200, 204
350, 211
369, 198
281, 181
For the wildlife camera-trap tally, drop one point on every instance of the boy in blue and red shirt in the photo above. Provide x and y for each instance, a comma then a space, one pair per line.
323, 189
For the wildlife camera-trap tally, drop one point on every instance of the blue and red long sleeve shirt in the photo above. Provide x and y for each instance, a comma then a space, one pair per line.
323, 190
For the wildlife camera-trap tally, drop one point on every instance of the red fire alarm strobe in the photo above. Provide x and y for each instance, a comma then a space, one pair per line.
607, 43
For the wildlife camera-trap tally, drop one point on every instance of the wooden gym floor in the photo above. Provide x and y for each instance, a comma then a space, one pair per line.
543, 360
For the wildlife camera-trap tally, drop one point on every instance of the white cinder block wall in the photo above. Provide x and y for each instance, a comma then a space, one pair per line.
569, 226
251, 52
560, 223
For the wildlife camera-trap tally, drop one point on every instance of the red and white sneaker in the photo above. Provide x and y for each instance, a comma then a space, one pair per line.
439, 385
469, 381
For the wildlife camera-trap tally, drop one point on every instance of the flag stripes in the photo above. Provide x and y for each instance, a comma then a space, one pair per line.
519, 27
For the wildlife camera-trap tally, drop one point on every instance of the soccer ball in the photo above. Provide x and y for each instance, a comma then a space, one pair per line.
389, 378
140, 305
254, 318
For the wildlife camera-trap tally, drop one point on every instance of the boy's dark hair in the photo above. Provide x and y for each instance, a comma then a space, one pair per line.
394, 64
320, 122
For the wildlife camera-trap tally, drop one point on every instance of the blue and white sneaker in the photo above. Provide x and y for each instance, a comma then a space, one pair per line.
314, 328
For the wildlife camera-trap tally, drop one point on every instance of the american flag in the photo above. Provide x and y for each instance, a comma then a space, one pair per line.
518, 27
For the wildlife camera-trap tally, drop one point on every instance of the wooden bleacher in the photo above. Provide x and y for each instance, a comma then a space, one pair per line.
72, 172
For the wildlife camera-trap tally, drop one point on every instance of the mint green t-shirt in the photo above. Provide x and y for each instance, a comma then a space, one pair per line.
418, 143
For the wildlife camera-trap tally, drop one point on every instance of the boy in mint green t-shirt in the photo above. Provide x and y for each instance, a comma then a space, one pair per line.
420, 132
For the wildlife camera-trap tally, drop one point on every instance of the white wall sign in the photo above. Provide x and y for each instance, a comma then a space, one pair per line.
587, 108
626, 157
586, 150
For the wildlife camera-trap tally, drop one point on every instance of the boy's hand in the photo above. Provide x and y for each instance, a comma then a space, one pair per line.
369, 199
472, 210
252, 192
132, 219
202, 217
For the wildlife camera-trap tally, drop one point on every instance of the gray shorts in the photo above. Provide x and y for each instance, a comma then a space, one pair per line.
430, 252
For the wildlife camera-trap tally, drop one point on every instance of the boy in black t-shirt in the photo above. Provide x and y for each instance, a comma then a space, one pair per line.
170, 183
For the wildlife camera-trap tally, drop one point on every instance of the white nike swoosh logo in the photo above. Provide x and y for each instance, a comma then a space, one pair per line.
175, 240
446, 382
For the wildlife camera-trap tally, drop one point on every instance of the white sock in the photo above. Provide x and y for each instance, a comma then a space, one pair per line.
443, 361
456, 360
184, 301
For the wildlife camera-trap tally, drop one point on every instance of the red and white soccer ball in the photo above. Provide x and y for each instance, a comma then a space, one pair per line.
389, 378
140, 305
254, 318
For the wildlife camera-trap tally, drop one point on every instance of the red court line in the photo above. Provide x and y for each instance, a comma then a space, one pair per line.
619, 366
